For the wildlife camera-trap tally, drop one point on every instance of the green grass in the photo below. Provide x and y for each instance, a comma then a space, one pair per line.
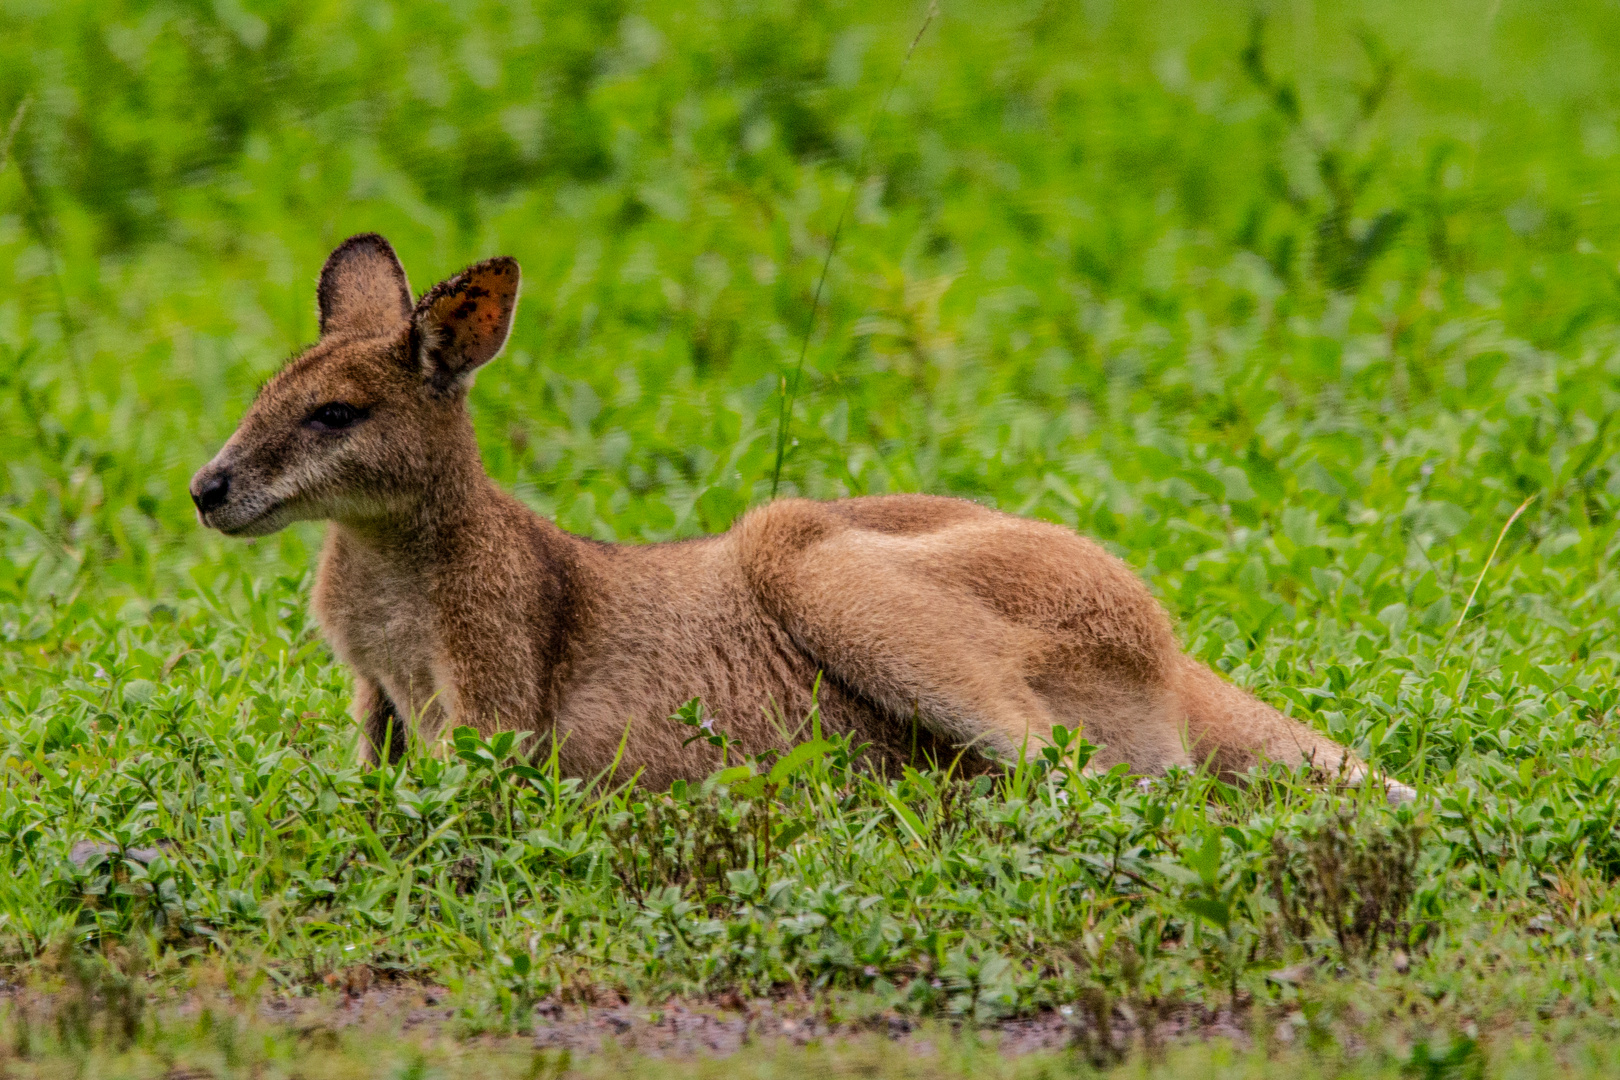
1293, 339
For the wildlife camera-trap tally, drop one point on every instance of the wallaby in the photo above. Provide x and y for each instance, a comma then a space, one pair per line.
930, 623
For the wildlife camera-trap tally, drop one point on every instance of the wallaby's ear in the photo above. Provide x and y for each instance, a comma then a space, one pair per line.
463, 322
363, 288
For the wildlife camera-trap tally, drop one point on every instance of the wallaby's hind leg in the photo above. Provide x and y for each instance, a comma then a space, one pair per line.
989, 630
1132, 719
916, 649
1234, 730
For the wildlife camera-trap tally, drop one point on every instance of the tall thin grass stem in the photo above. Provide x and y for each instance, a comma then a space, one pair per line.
39, 219
1487, 567
11, 132
790, 390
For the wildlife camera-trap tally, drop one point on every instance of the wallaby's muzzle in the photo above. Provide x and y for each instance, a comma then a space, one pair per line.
223, 503
209, 489
237, 494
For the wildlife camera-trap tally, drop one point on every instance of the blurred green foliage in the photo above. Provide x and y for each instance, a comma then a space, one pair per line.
1291, 312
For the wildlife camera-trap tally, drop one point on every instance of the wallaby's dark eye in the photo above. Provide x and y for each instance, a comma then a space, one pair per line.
334, 416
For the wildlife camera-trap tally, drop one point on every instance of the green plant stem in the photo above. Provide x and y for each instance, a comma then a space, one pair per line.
1486, 569
790, 391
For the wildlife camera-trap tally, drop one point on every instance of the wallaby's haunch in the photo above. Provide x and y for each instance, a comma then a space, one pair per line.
932, 622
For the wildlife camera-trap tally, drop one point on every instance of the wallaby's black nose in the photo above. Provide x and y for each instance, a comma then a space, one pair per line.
210, 494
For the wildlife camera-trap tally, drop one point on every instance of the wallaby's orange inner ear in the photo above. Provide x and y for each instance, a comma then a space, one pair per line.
463, 322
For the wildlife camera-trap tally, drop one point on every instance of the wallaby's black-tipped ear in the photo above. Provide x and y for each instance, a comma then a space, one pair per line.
363, 288
462, 323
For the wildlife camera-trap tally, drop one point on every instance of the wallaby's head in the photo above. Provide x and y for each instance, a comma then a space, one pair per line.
365, 422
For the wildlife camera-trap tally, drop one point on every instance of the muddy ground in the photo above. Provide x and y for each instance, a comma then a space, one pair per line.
356, 1001
685, 1028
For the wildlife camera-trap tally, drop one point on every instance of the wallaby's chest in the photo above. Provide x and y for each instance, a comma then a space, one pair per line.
380, 620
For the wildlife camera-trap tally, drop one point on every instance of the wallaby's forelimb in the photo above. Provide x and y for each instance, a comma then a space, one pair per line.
381, 731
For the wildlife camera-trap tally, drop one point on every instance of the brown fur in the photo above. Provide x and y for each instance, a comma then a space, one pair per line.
934, 623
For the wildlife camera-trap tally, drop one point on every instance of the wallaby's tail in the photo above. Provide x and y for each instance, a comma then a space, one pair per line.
1233, 730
